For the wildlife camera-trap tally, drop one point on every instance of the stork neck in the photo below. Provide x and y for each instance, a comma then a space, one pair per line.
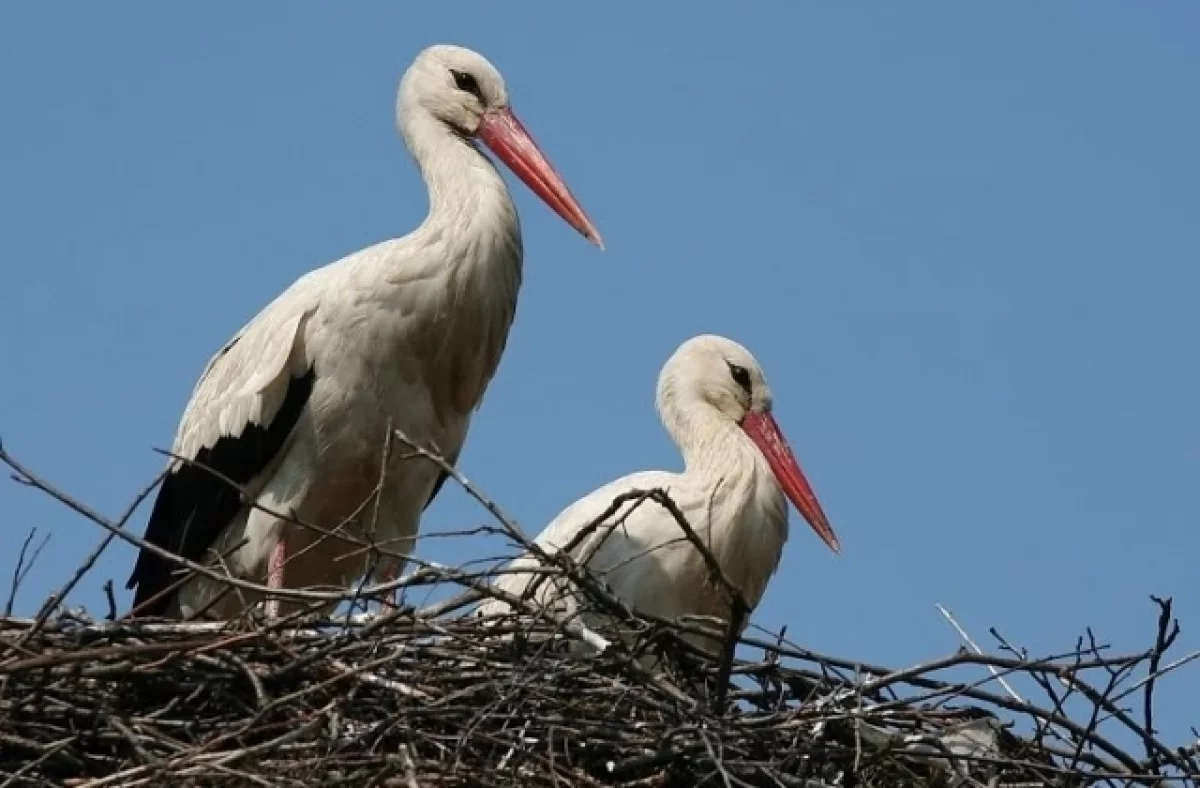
744, 508
469, 205
468, 250
710, 443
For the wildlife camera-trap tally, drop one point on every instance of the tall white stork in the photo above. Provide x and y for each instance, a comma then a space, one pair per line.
716, 406
405, 334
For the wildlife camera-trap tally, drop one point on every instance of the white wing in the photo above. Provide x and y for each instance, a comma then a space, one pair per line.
227, 427
245, 381
622, 547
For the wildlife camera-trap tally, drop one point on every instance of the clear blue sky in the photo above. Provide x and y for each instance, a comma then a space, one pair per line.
962, 240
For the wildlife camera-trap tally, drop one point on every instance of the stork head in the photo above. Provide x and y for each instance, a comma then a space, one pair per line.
718, 373
465, 93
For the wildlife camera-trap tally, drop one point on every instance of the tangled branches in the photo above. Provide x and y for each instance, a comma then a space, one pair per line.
430, 697
398, 699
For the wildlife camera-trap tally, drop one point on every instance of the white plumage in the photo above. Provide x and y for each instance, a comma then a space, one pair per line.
716, 406
402, 335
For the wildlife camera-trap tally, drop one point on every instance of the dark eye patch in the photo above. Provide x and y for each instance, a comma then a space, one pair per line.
467, 83
740, 375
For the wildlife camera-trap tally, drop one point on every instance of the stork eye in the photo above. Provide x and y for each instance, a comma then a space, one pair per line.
740, 376
466, 82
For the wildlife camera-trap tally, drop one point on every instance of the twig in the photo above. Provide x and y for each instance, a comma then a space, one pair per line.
975, 647
114, 529
22, 568
1162, 641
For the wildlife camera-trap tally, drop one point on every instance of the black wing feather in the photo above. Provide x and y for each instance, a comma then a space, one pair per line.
193, 505
437, 486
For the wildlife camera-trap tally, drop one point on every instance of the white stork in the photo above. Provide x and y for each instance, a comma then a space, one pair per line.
716, 406
405, 334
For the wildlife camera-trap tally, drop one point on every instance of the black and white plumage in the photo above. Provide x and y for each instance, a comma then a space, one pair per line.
405, 334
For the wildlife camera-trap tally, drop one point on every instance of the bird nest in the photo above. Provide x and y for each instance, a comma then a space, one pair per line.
401, 699
429, 697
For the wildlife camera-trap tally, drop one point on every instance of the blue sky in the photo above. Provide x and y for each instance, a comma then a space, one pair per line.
961, 239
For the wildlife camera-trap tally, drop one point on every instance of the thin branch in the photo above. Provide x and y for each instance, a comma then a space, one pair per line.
975, 647
22, 568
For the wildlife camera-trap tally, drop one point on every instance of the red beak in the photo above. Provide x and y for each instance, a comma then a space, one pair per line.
763, 430
507, 138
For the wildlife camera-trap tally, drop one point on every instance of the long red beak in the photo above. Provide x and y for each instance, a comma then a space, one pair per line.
765, 433
507, 138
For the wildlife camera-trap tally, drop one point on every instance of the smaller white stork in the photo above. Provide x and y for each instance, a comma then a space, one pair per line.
716, 406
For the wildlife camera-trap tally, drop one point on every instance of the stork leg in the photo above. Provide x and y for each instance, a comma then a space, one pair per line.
275, 575
392, 600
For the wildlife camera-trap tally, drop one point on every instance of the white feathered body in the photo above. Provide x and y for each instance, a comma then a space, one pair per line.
404, 335
731, 500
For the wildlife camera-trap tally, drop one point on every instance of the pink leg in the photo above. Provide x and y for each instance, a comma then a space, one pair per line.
275, 575
392, 600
